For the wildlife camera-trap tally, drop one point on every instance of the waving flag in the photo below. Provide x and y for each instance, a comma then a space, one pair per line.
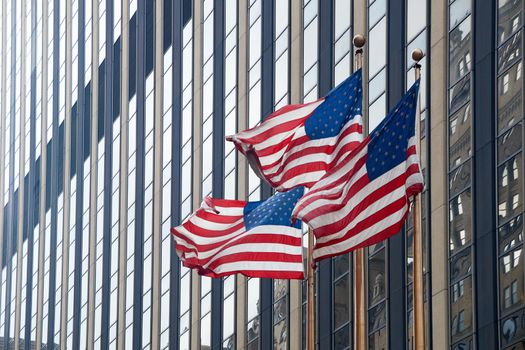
256, 239
365, 198
297, 144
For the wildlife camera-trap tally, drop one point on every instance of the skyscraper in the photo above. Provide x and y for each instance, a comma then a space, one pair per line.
112, 123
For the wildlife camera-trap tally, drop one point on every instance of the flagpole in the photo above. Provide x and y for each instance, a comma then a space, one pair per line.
419, 314
359, 255
311, 293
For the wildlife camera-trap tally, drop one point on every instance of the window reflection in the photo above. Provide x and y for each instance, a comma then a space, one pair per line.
460, 51
377, 55
459, 94
510, 192
461, 309
511, 234
461, 264
341, 302
460, 230
510, 52
460, 178
510, 143
509, 18
510, 97
376, 278
460, 136
511, 281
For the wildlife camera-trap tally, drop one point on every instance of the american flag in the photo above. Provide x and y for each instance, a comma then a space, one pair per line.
297, 144
256, 239
365, 198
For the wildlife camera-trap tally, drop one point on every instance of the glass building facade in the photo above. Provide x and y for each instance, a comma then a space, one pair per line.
113, 117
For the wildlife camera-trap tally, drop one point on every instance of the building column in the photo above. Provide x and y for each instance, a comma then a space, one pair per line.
21, 177
197, 160
93, 178
123, 175
242, 164
43, 181
438, 191
296, 88
157, 175
67, 181
484, 182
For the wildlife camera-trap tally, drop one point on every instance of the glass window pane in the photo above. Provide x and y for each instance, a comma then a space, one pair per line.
511, 234
253, 298
509, 18
460, 51
461, 309
512, 329
376, 278
377, 55
342, 338
461, 264
510, 52
511, 281
460, 217
459, 9
341, 265
377, 317
510, 191
377, 340
341, 302
509, 143
510, 97
416, 21
460, 179
252, 331
376, 11
460, 136
280, 336
459, 94
206, 331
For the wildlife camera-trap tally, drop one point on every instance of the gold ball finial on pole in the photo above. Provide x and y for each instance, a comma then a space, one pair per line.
417, 55
359, 41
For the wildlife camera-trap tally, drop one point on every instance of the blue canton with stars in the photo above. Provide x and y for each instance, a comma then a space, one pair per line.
389, 141
340, 105
276, 210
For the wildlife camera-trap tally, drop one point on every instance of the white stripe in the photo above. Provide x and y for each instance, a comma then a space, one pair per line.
206, 240
362, 236
369, 211
213, 226
265, 229
294, 114
329, 141
259, 266
357, 198
267, 247
314, 157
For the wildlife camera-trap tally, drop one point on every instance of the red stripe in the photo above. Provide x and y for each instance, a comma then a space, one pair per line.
313, 149
311, 196
363, 224
218, 218
315, 194
380, 236
230, 203
252, 273
286, 126
375, 196
201, 247
257, 239
205, 232
249, 256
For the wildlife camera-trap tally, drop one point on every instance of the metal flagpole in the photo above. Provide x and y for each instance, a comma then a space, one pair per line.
419, 314
359, 254
311, 293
